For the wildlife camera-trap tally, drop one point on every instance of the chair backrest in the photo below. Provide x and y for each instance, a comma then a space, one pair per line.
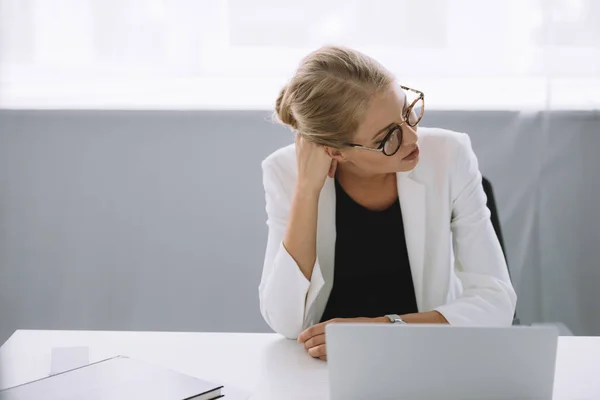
491, 204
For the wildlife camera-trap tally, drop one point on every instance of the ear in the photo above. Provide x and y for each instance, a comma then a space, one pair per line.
335, 154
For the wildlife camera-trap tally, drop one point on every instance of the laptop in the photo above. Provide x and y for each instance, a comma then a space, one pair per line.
426, 362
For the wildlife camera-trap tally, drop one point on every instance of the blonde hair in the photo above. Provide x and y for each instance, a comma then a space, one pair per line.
327, 97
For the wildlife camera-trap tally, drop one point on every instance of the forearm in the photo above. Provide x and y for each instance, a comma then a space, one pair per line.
430, 317
300, 238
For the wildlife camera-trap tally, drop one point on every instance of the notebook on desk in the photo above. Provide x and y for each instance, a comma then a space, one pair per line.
117, 378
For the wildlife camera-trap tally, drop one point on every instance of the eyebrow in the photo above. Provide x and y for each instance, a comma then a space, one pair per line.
387, 128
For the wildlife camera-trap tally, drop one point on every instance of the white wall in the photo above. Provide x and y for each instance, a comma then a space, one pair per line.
155, 220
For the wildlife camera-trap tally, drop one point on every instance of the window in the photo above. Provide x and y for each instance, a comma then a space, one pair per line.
501, 54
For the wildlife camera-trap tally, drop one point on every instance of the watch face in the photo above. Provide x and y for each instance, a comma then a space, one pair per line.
394, 318
399, 320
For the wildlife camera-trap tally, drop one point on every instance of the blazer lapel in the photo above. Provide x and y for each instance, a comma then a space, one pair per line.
326, 232
317, 299
325, 252
412, 202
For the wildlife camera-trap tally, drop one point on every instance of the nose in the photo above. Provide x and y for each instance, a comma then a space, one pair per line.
409, 136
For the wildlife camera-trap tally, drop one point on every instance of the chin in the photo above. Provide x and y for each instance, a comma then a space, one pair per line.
405, 166
409, 161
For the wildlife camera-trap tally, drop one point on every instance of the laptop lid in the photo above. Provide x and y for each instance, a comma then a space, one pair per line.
385, 361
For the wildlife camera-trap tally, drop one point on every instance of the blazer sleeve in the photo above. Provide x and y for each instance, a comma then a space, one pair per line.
284, 292
488, 297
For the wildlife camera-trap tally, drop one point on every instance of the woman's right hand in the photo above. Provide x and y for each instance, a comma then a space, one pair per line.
314, 164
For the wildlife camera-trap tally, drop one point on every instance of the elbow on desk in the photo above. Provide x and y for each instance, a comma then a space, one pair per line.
507, 304
284, 313
283, 326
281, 320
491, 306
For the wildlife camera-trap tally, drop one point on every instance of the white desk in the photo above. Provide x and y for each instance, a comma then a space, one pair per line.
264, 366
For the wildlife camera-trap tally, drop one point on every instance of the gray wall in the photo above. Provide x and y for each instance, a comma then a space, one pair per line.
155, 220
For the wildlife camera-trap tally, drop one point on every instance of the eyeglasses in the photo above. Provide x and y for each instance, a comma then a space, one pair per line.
412, 116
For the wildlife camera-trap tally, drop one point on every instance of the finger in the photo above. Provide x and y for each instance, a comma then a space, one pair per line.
314, 330
314, 341
324, 358
318, 351
332, 168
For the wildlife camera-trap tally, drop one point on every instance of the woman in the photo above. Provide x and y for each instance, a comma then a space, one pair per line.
372, 219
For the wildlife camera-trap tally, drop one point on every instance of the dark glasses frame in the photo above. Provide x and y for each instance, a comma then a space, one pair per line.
397, 128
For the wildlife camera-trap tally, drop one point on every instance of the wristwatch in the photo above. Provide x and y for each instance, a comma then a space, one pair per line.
395, 319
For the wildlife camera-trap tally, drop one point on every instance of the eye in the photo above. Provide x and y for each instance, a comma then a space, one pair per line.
380, 139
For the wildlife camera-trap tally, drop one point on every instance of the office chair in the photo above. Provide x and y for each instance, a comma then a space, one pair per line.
491, 204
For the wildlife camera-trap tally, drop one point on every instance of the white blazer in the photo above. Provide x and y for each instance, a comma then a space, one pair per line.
456, 261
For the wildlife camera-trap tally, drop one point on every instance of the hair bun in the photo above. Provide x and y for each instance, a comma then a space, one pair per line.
284, 110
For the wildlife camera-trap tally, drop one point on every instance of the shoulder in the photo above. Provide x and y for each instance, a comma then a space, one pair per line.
442, 141
440, 148
283, 159
280, 168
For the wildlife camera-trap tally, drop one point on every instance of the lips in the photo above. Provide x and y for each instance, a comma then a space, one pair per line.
414, 154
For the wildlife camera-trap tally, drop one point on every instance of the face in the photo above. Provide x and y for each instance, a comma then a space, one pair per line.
385, 110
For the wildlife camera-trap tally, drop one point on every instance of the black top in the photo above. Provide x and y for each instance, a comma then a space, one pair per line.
372, 275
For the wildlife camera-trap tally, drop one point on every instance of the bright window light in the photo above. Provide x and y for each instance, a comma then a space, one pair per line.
236, 54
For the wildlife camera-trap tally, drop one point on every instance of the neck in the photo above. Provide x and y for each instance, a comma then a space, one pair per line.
347, 174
